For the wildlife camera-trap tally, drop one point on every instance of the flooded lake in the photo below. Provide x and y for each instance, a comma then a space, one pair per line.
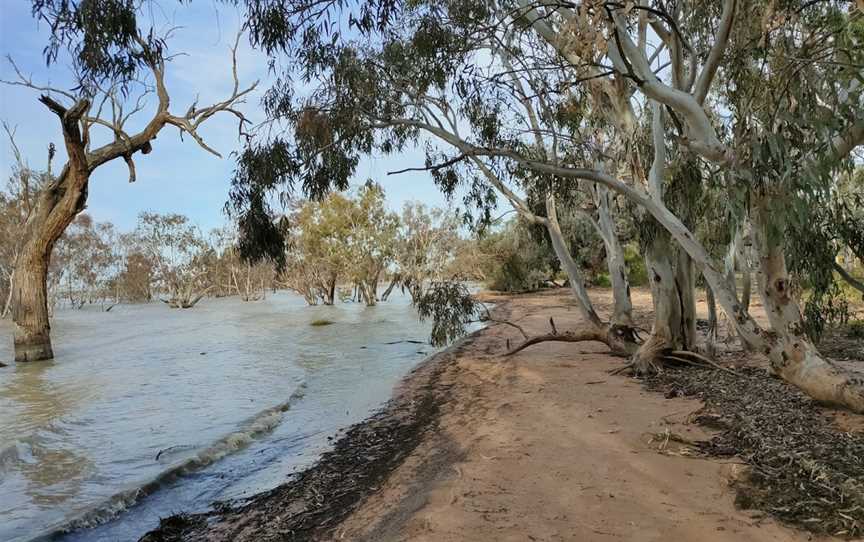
148, 411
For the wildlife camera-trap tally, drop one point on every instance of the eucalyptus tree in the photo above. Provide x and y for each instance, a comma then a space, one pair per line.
793, 87
372, 243
317, 252
179, 253
420, 82
117, 66
787, 118
425, 245
87, 257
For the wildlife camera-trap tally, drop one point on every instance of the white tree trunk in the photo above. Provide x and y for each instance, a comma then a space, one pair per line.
571, 269
793, 357
623, 310
666, 328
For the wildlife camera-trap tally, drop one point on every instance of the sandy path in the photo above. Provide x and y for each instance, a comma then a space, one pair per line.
548, 446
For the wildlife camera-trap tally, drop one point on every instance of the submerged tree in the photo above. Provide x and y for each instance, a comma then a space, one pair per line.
117, 66
179, 255
85, 257
425, 245
372, 242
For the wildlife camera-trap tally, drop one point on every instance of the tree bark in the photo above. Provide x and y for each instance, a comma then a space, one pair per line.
686, 286
667, 325
32, 338
615, 261
793, 357
7, 305
619, 338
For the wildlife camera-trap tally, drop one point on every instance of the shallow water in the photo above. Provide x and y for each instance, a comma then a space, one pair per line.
148, 411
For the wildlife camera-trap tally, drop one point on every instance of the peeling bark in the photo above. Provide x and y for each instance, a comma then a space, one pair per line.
616, 264
793, 357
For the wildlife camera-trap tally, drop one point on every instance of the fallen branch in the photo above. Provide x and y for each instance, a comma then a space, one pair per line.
567, 337
696, 359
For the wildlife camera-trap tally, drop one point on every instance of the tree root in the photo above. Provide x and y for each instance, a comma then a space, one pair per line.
652, 360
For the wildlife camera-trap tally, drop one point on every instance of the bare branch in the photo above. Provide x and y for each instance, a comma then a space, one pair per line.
852, 281
130, 163
703, 84
24, 81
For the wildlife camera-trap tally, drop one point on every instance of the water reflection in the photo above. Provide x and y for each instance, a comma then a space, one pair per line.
36, 401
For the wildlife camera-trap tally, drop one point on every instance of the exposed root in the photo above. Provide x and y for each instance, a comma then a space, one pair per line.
648, 359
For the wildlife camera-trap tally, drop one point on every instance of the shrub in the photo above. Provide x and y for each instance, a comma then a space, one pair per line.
602, 280
636, 264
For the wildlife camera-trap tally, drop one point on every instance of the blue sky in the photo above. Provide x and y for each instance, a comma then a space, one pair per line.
178, 176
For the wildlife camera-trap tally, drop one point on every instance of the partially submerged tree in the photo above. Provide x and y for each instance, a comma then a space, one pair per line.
119, 67
85, 255
372, 242
179, 254
425, 245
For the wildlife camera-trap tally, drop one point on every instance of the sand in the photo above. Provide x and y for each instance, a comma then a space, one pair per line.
546, 445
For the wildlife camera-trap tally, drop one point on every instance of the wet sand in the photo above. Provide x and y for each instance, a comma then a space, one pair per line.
544, 445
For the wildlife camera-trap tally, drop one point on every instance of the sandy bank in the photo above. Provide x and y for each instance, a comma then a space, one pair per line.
545, 445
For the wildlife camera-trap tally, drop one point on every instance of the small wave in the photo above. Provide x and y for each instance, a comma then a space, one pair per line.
255, 427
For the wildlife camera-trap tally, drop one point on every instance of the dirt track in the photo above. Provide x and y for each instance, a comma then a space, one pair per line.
548, 446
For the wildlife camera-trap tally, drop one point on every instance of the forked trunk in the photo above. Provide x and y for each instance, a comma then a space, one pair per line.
389, 289
619, 338
56, 205
370, 295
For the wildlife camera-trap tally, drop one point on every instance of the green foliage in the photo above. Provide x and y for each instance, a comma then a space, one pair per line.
102, 36
514, 274
602, 280
515, 261
855, 329
451, 308
636, 265
321, 322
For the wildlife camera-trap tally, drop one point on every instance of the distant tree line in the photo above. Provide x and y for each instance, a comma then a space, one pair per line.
347, 246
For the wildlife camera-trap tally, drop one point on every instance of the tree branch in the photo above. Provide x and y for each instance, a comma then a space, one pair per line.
703, 84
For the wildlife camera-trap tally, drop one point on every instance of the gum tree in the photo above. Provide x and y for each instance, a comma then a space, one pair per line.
651, 74
118, 67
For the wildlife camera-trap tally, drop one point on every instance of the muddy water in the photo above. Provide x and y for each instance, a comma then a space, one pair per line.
147, 411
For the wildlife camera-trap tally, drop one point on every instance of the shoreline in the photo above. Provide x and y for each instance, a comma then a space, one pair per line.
544, 445
360, 459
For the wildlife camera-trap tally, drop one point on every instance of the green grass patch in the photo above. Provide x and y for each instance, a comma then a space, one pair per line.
321, 322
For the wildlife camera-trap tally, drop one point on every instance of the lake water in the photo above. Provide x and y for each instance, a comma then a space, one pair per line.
148, 411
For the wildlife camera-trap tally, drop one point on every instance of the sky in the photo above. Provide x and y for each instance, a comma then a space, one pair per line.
178, 176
